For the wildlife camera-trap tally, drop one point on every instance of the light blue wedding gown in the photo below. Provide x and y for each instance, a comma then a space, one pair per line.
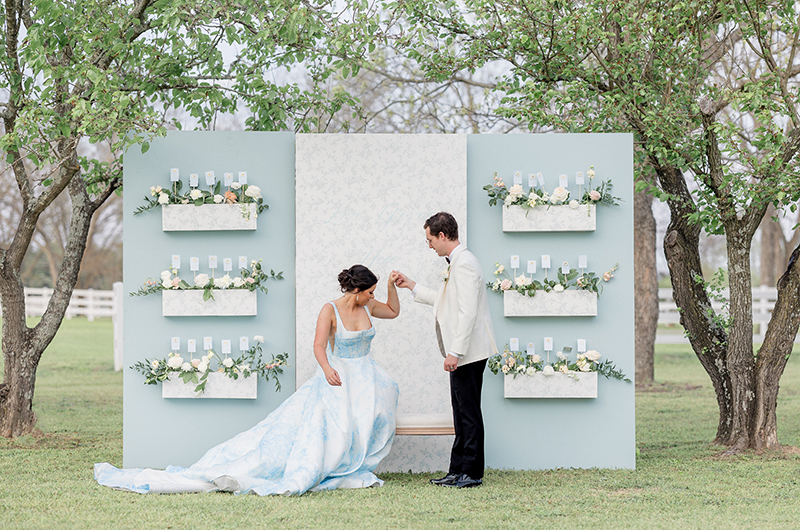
322, 437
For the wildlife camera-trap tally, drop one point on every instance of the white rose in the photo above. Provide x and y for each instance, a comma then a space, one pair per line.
235, 185
530, 371
163, 198
175, 362
559, 195
224, 282
593, 355
516, 191
254, 192
202, 367
548, 370
166, 284
201, 280
558, 288
574, 204
522, 280
585, 367
535, 358
228, 362
238, 282
154, 363
258, 338
508, 201
218, 199
187, 367
195, 194
166, 275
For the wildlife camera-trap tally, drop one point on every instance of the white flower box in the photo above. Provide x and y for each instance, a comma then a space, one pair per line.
188, 217
226, 303
569, 303
555, 218
218, 386
558, 385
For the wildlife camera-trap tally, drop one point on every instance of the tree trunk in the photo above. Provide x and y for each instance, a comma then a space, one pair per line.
774, 354
645, 285
708, 338
740, 337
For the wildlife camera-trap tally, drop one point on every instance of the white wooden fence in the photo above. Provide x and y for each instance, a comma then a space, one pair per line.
764, 299
94, 304
85, 302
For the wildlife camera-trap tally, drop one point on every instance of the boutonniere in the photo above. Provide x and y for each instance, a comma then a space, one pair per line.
446, 274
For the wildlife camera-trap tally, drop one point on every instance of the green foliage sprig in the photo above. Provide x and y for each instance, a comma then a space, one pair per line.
574, 279
251, 278
516, 363
196, 370
235, 194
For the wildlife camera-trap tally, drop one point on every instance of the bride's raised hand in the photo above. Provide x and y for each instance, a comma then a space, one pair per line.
393, 278
332, 376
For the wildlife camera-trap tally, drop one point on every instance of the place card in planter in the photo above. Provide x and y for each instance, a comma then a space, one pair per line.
226, 303
553, 218
569, 303
218, 385
188, 217
557, 385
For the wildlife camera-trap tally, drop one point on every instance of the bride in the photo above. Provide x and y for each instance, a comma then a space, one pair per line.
331, 433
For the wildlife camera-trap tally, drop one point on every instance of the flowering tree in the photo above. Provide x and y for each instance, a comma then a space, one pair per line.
710, 90
88, 72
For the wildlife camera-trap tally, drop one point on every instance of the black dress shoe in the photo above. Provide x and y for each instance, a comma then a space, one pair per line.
465, 481
447, 480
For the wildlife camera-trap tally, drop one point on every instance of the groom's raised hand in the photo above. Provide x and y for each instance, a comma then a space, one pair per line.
403, 281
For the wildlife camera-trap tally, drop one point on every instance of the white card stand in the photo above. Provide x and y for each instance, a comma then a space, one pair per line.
226, 303
569, 303
553, 218
558, 385
208, 217
218, 385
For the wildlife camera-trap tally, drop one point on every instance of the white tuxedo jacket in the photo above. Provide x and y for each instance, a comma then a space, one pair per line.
461, 308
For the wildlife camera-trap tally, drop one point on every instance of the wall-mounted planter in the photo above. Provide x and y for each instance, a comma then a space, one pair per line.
555, 218
218, 386
570, 303
191, 218
558, 385
226, 303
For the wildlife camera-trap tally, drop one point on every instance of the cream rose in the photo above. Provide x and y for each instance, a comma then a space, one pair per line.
201, 280
196, 362
592, 355
516, 191
235, 185
163, 198
238, 282
558, 288
522, 280
258, 338
187, 367
530, 371
253, 192
535, 358
574, 204
559, 195
218, 199
228, 362
548, 370
505, 285
202, 367
195, 194
166, 284
166, 275
224, 282
175, 362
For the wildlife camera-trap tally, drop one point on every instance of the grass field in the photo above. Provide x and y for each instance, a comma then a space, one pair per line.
680, 482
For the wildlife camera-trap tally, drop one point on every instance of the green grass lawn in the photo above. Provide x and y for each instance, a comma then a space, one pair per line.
680, 482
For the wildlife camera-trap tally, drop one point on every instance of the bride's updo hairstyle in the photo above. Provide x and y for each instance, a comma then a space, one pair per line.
356, 277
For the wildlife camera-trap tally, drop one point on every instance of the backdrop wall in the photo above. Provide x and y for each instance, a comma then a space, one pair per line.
363, 199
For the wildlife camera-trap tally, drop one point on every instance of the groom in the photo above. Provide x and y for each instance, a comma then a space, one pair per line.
466, 339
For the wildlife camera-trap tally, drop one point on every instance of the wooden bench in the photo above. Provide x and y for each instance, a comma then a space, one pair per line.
425, 424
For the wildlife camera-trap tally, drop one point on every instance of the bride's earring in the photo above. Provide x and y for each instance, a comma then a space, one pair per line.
356, 298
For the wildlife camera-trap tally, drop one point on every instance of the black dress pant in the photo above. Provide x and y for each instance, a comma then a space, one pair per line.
466, 382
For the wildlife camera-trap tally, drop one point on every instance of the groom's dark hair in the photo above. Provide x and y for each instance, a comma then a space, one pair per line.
442, 222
